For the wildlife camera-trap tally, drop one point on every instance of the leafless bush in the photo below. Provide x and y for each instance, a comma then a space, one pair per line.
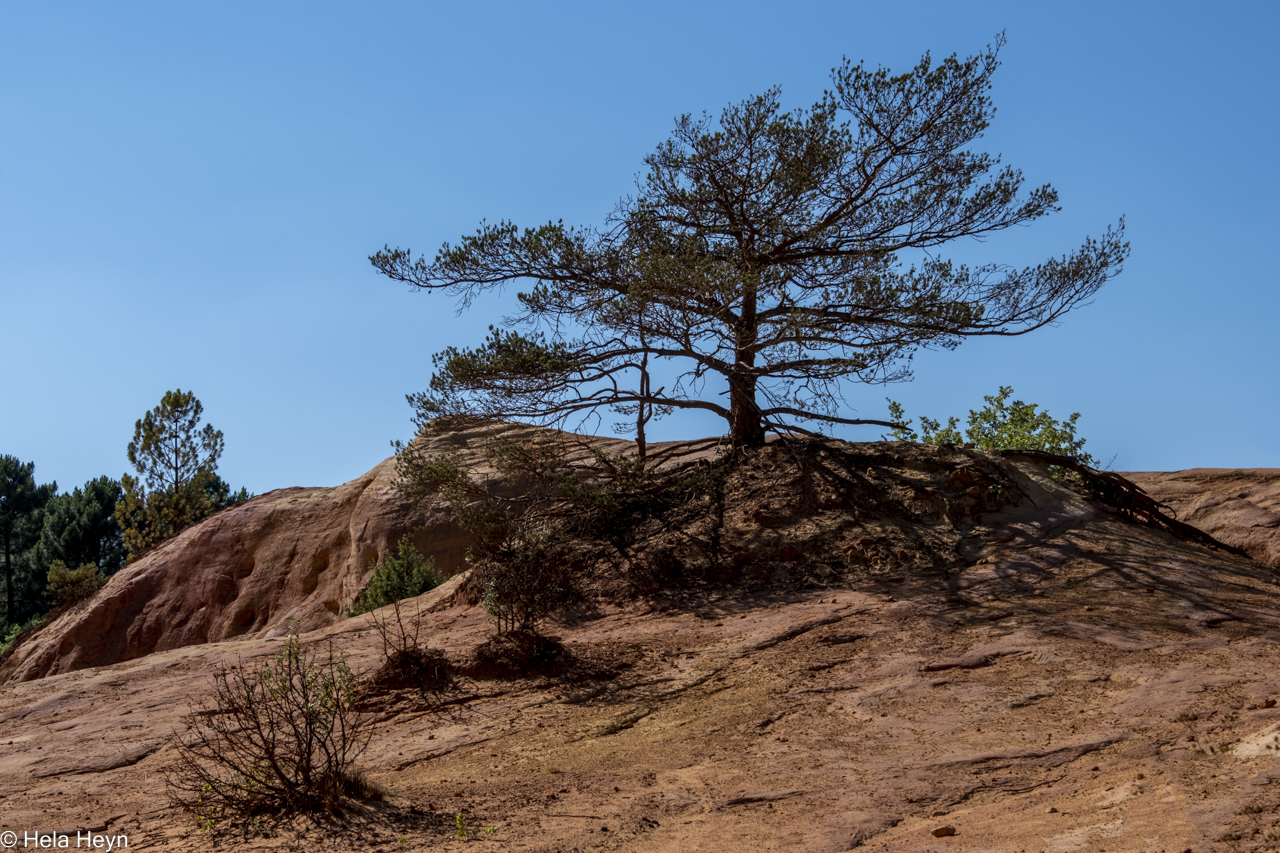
406, 662
281, 737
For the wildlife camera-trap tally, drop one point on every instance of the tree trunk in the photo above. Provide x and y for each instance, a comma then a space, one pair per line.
746, 430
8, 582
643, 411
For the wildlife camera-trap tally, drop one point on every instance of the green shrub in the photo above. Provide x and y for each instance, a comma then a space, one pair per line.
530, 581
1000, 426
70, 585
11, 636
403, 575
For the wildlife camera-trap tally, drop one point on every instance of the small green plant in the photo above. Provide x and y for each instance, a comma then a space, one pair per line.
1000, 426
11, 636
66, 586
465, 831
405, 574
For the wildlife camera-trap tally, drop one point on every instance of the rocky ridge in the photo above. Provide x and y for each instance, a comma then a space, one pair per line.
1238, 506
291, 556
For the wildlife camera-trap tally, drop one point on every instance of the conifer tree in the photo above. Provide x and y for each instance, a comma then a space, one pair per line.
176, 460
21, 503
765, 250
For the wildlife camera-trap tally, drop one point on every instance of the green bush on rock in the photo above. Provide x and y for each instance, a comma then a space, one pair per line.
70, 585
1000, 426
405, 574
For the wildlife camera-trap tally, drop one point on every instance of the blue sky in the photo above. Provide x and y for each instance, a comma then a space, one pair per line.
189, 193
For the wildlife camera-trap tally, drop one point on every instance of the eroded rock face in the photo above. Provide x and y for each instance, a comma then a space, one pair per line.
304, 553
1238, 506
299, 554
291, 554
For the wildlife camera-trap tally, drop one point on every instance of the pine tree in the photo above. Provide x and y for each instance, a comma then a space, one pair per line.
178, 461
763, 249
21, 505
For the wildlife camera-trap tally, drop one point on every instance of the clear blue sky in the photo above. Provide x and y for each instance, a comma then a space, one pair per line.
189, 193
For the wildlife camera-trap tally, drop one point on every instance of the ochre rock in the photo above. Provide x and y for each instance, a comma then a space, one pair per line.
1238, 506
302, 554
291, 554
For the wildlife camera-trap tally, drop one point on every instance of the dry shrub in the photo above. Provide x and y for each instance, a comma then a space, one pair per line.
406, 663
281, 737
516, 654
655, 571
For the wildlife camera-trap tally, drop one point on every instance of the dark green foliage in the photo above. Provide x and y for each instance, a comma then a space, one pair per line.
149, 518
767, 250
219, 494
22, 505
67, 586
531, 579
177, 462
1001, 426
169, 448
80, 527
405, 574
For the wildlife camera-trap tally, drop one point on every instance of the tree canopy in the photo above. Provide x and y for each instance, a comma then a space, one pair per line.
21, 514
80, 527
178, 459
766, 249
169, 448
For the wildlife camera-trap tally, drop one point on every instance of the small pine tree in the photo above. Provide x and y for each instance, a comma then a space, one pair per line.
178, 484
69, 585
403, 575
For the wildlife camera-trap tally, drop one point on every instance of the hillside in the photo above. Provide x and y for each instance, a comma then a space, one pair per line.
900, 639
250, 571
